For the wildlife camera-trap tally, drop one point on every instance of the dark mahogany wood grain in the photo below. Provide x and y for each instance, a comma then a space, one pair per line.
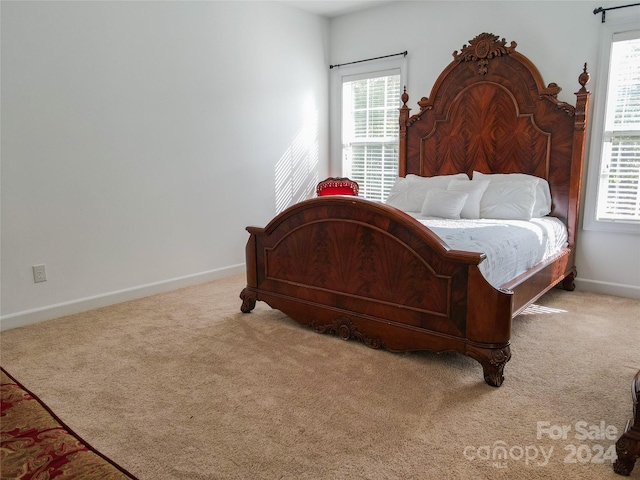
364, 270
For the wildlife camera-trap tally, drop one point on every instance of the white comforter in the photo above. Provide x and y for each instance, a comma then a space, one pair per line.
511, 246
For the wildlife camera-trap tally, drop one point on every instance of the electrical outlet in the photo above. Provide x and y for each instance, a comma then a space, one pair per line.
39, 274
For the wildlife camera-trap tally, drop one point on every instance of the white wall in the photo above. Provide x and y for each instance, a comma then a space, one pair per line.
559, 37
139, 139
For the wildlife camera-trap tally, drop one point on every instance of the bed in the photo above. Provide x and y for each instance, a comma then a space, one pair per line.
373, 272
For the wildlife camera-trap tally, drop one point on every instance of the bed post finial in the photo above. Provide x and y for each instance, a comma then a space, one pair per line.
580, 120
584, 78
402, 144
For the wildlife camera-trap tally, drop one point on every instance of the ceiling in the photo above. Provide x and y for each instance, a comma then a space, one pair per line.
333, 8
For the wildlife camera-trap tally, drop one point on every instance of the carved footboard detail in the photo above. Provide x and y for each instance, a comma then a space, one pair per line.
346, 329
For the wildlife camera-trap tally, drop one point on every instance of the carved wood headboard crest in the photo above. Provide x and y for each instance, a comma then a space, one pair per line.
482, 48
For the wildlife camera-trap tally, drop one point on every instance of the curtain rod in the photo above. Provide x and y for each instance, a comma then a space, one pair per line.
604, 10
369, 59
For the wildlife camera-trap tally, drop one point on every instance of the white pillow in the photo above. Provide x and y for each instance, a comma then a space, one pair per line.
443, 203
509, 201
439, 181
399, 195
542, 206
408, 193
474, 190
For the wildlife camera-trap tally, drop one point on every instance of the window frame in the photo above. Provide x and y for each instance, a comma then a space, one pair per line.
590, 220
369, 69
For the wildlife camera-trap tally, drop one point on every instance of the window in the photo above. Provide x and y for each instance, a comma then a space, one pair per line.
365, 102
370, 132
616, 146
618, 197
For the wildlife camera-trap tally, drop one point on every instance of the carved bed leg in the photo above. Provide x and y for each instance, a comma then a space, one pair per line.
248, 300
628, 445
493, 361
628, 450
568, 281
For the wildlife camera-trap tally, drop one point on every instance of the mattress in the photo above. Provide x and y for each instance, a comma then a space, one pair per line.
511, 246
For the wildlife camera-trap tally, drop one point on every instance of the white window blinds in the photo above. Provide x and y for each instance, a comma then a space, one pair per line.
619, 190
370, 132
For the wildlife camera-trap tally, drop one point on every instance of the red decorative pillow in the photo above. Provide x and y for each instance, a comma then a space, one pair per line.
337, 186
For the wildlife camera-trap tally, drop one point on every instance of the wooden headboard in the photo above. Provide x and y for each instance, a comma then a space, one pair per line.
490, 111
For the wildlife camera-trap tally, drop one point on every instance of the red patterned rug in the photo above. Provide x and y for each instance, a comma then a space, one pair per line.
36, 444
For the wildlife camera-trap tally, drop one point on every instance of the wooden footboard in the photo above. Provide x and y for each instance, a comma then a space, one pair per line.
364, 270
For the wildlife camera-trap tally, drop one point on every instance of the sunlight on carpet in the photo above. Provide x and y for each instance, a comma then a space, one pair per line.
535, 309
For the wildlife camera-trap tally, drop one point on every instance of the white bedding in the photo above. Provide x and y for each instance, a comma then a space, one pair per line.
511, 246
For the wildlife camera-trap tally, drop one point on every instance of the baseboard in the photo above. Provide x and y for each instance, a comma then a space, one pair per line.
608, 288
29, 317
50, 312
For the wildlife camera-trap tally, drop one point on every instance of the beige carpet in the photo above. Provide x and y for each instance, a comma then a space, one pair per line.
184, 386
